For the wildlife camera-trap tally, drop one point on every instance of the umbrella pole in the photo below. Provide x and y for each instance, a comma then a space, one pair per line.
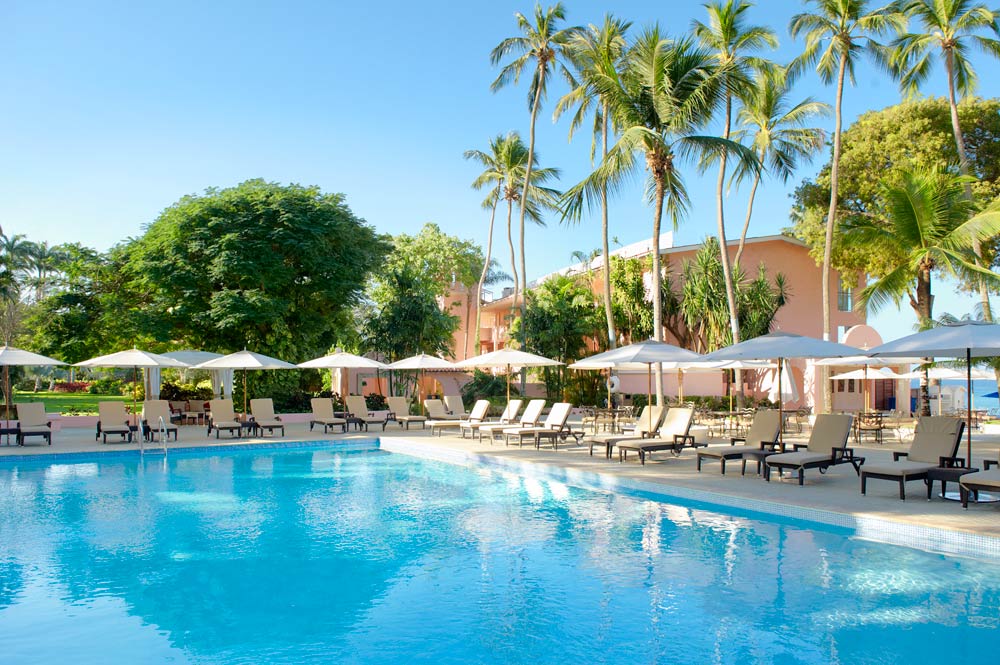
649, 390
781, 410
135, 397
7, 396
610, 405
864, 391
968, 403
244, 393
508, 383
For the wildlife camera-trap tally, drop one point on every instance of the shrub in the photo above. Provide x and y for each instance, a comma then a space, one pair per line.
71, 386
485, 385
376, 402
106, 386
180, 392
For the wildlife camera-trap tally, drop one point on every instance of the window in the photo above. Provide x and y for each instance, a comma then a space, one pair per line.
840, 385
845, 296
850, 385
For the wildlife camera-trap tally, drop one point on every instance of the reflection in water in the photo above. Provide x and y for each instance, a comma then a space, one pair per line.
364, 556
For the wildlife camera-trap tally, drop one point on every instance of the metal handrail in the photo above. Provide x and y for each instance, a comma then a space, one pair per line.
163, 435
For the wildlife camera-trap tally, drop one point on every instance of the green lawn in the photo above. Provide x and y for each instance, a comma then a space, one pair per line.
69, 404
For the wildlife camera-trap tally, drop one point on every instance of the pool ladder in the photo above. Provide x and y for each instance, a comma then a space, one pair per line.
163, 439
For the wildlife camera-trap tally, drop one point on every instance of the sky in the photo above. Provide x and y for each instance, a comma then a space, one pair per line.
112, 111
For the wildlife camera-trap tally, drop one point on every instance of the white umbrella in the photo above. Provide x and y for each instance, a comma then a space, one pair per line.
508, 358
783, 389
862, 374
245, 360
10, 356
421, 363
222, 379
341, 360
968, 340
135, 359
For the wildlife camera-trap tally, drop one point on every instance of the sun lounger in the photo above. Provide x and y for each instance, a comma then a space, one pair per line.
553, 426
323, 414
506, 418
33, 421
436, 410
673, 436
264, 418
646, 425
358, 408
112, 418
935, 444
477, 415
530, 418
399, 413
987, 480
827, 447
762, 435
222, 418
454, 405
152, 411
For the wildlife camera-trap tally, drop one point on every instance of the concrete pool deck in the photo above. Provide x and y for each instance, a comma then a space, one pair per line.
834, 497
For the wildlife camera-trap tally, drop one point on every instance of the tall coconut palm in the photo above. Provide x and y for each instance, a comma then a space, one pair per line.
667, 91
950, 28
777, 131
590, 50
930, 229
836, 35
734, 44
542, 44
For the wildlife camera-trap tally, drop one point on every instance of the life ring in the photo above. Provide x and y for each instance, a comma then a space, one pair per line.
614, 384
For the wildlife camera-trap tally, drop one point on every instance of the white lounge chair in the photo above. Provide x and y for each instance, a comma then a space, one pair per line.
530, 418
646, 424
263, 416
33, 421
399, 412
506, 418
222, 418
762, 435
153, 411
323, 414
112, 418
358, 408
827, 447
673, 436
987, 480
554, 424
477, 415
455, 406
935, 444
436, 410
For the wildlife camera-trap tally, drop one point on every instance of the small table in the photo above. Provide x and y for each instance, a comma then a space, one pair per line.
946, 474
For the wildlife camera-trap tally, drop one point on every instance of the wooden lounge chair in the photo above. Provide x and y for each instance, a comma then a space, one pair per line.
530, 418
987, 480
762, 435
436, 410
33, 421
554, 424
935, 443
222, 418
454, 405
152, 411
399, 413
477, 415
673, 436
264, 418
112, 418
827, 447
646, 425
323, 414
506, 418
358, 408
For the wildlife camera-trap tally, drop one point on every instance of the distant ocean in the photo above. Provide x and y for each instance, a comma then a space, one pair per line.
979, 389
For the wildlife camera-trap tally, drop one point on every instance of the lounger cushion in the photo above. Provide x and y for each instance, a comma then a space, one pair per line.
329, 421
114, 428
797, 459
269, 423
989, 478
226, 424
444, 423
901, 468
729, 451
35, 429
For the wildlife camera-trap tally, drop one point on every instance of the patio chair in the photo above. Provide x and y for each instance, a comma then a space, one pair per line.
112, 418
33, 421
762, 435
177, 410
506, 418
196, 411
323, 414
436, 410
673, 436
827, 447
553, 426
477, 415
455, 406
222, 418
935, 444
399, 413
646, 425
264, 418
153, 410
358, 408
530, 418
987, 480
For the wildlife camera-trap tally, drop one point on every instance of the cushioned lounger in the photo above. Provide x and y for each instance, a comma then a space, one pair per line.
530, 418
399, 413
827, 447
437, 410
222, 418
987, 480
646, 425
673, 436
264, 418
33, 421
358, 408
506, 418
554, 424
477, 415
762, 435
112, 418
153, 411
935, 443
323, 414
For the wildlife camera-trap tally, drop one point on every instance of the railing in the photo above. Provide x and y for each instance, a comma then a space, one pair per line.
161, 430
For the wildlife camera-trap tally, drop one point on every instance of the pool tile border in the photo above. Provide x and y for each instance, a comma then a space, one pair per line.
932, 539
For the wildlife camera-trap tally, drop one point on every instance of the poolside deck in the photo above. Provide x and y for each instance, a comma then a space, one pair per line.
836, 492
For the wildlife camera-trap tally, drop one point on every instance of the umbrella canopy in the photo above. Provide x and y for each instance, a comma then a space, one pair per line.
245, 360
992, 395
935, 373
861, 374
222, 379
784, 390
132, 358
638, 356
422, 361
868, 361
508, 358
342, 360
10, 356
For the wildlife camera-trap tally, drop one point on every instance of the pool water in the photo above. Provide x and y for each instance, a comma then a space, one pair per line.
356, 555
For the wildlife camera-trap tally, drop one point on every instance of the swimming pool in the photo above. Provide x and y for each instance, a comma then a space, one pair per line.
353, 554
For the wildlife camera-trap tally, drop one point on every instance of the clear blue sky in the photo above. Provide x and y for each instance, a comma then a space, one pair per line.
113, 110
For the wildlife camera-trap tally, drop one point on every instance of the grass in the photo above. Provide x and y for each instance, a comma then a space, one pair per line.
69, 404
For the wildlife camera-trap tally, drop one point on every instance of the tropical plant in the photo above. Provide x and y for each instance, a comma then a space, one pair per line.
590, 51
542, 44
666, 92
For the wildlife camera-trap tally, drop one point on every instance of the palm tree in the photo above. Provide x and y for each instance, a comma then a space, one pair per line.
950, 27
835, 37
733, 43
589, 51
930, 228
666, 92
541, 43
776, 131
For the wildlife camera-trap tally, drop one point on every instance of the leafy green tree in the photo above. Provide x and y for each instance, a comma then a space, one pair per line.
542, 43
590, 51
405, 319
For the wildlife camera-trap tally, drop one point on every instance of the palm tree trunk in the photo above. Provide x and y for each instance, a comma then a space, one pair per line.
727, 271
524, 201
924, 309
608, 312
746, 222
486, 270
657, 279
513, 256
831, 222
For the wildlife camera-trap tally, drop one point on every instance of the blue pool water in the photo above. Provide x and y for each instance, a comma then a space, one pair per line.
363, 556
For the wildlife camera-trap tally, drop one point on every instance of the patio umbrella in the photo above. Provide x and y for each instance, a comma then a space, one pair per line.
724, 365
422, 363
992, 395
135, 359
340, 360
862, 375
221, 378
245, 360
10, 357
968, 340
782, 346
507, 358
